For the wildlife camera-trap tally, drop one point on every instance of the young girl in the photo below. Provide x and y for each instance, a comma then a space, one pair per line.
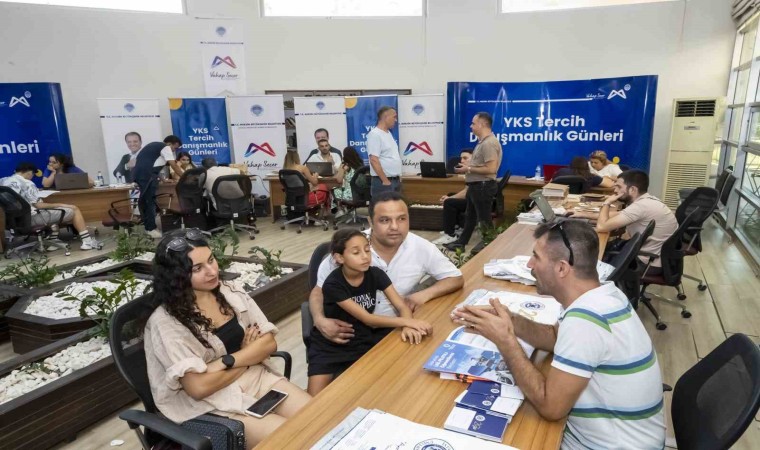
350, 294
207, 342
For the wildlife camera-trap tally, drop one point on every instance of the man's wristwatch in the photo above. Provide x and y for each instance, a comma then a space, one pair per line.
228, 361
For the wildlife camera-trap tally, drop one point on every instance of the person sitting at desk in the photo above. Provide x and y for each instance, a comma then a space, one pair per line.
604, 376
600, 165
319, 194
631, 188
351, 163
207, 341
579, 167
48, 214
185, 162
60, 163
350, 295
454, 207
214, 171
404, 256
325, 154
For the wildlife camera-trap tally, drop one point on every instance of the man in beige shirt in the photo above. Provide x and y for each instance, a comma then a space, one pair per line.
480, 178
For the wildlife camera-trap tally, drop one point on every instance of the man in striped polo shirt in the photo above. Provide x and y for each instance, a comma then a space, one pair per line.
604, 376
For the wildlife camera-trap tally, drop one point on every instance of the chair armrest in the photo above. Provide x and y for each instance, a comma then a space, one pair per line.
165, 428
288, 362
649, 255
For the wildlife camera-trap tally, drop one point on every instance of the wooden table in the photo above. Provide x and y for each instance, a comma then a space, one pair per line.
277, 194
93, 203
390, 377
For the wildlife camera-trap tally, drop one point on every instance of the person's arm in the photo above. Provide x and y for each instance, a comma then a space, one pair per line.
175, 167
341, 172
49, 180
334, 330
461, 194
611, 220
539, 335
375, 321
437, 289
438, 266
374, 161
606, 182
310, 177
412, 335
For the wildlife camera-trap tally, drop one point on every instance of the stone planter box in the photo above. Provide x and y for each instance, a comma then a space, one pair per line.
57, 411
426, 218
8, 297
29, 332
284, 295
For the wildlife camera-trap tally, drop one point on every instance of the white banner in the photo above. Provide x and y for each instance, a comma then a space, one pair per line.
120, 116
420, 130
313, 113
223, 56
257, 123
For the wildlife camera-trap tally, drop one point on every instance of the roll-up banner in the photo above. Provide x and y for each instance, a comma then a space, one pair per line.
201, 124
361, 118
222, 51
550, 122
119, 116
420, 130
258, 134
313, 113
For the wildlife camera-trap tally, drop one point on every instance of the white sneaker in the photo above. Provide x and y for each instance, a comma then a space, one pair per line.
88, 244
155, 234
445, 239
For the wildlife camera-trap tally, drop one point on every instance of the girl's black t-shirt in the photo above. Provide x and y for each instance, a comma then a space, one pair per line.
335, 290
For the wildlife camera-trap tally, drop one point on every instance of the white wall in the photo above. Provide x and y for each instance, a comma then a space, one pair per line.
96, 53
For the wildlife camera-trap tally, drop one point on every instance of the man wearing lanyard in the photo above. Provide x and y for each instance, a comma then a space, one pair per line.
148, 164
480, 178
384, 158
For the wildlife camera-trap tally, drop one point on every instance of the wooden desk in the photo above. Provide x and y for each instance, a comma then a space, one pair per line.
93, 203
390, 377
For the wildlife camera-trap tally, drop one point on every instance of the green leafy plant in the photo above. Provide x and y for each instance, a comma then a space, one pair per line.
489, 232
459, 257
270, 261
29, 272
131, 245
219, 244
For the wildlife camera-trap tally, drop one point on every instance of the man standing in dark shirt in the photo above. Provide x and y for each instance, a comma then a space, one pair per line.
149, 162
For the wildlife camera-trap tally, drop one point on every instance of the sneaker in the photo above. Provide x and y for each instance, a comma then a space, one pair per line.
445, 239
155, 234
88, 244
475, 250
453, 246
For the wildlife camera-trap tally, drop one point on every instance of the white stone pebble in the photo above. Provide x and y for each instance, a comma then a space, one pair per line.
147, 256
84, 269
251, 274
56, 306
31, 377
419, 205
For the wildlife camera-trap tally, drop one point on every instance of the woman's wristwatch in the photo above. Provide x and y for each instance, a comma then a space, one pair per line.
228, 361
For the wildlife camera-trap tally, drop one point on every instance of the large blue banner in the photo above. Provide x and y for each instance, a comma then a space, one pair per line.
32, 125
201, 124
550, 122
361, 118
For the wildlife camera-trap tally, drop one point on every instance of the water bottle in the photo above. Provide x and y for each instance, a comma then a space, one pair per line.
538, 172
100, 181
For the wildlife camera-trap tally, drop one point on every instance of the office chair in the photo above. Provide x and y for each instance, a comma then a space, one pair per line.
18, 219
716, 400
624, 167
725, 193
360, 197
452, 163
296, 201
720, 184
126, 341
497, 209
307, 321
706, 200
191, 206
232, 195
671, 258
624, 260
575, 182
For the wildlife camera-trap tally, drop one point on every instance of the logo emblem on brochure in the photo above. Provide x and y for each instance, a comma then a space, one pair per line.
128, 107
218, 61
221, 31
320, 105
433, 444
418, 109
265, 147
256, 110
22, 100
422, 146
533, 306
619, 92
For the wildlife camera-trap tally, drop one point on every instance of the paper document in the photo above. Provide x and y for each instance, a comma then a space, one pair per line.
45, 193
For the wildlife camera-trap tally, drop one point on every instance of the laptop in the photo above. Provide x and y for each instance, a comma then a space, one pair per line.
323, 169
68, 181
546, 209
433, 170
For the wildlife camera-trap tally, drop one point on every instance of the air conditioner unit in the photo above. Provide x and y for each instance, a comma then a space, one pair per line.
692, 139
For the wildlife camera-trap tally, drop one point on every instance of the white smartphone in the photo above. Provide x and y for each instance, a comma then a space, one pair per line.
266, 404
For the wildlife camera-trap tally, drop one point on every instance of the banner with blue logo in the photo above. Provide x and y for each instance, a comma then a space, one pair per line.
550, 122
222, 55
313, 113
201, 124
361, 118
32, 125
420, 129
258, 134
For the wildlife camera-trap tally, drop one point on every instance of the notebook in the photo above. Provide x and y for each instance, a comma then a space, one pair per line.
323, 169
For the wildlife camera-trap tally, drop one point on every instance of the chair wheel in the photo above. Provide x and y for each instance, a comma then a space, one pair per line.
685, 314
324, 228
681, 297
96, 232
702, 287
661, 326
100, 246
299, 231
8, 256
282, 227
335, 227
252, 237
256, 231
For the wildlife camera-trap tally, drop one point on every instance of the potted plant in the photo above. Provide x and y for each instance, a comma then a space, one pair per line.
19, 278
278, 288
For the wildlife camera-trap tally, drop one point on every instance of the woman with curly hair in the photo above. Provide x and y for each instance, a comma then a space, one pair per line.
207, 341
60, 163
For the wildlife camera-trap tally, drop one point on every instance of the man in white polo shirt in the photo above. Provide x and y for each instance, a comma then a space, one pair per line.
384, 158
404, 256
604, 376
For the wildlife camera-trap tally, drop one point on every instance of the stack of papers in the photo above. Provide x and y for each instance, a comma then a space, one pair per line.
364, 429
555, 190
544, 310
485, 409
534, 217
516, 270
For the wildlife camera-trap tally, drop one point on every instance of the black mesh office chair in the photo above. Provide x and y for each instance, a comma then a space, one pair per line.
671, 258
720, 184
297, 201
307, 321
497, 209
206, 432
716, 400
232, 195
706, 200
191, 207
18, 220
624, 260
575, 182
725, 192
624, 167
360, 197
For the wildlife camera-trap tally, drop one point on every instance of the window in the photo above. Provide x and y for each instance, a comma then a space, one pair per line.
341, 8
164, 6
513, 6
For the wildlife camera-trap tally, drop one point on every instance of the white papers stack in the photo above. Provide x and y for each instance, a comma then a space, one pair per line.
544, 310
535, 217
378, 430
514, 269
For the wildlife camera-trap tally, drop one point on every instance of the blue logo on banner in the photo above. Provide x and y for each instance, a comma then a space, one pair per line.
201, 124
129, 107
320, 105
32, 126
418, 109
551, 122
361, 118
221, 31
256, 110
